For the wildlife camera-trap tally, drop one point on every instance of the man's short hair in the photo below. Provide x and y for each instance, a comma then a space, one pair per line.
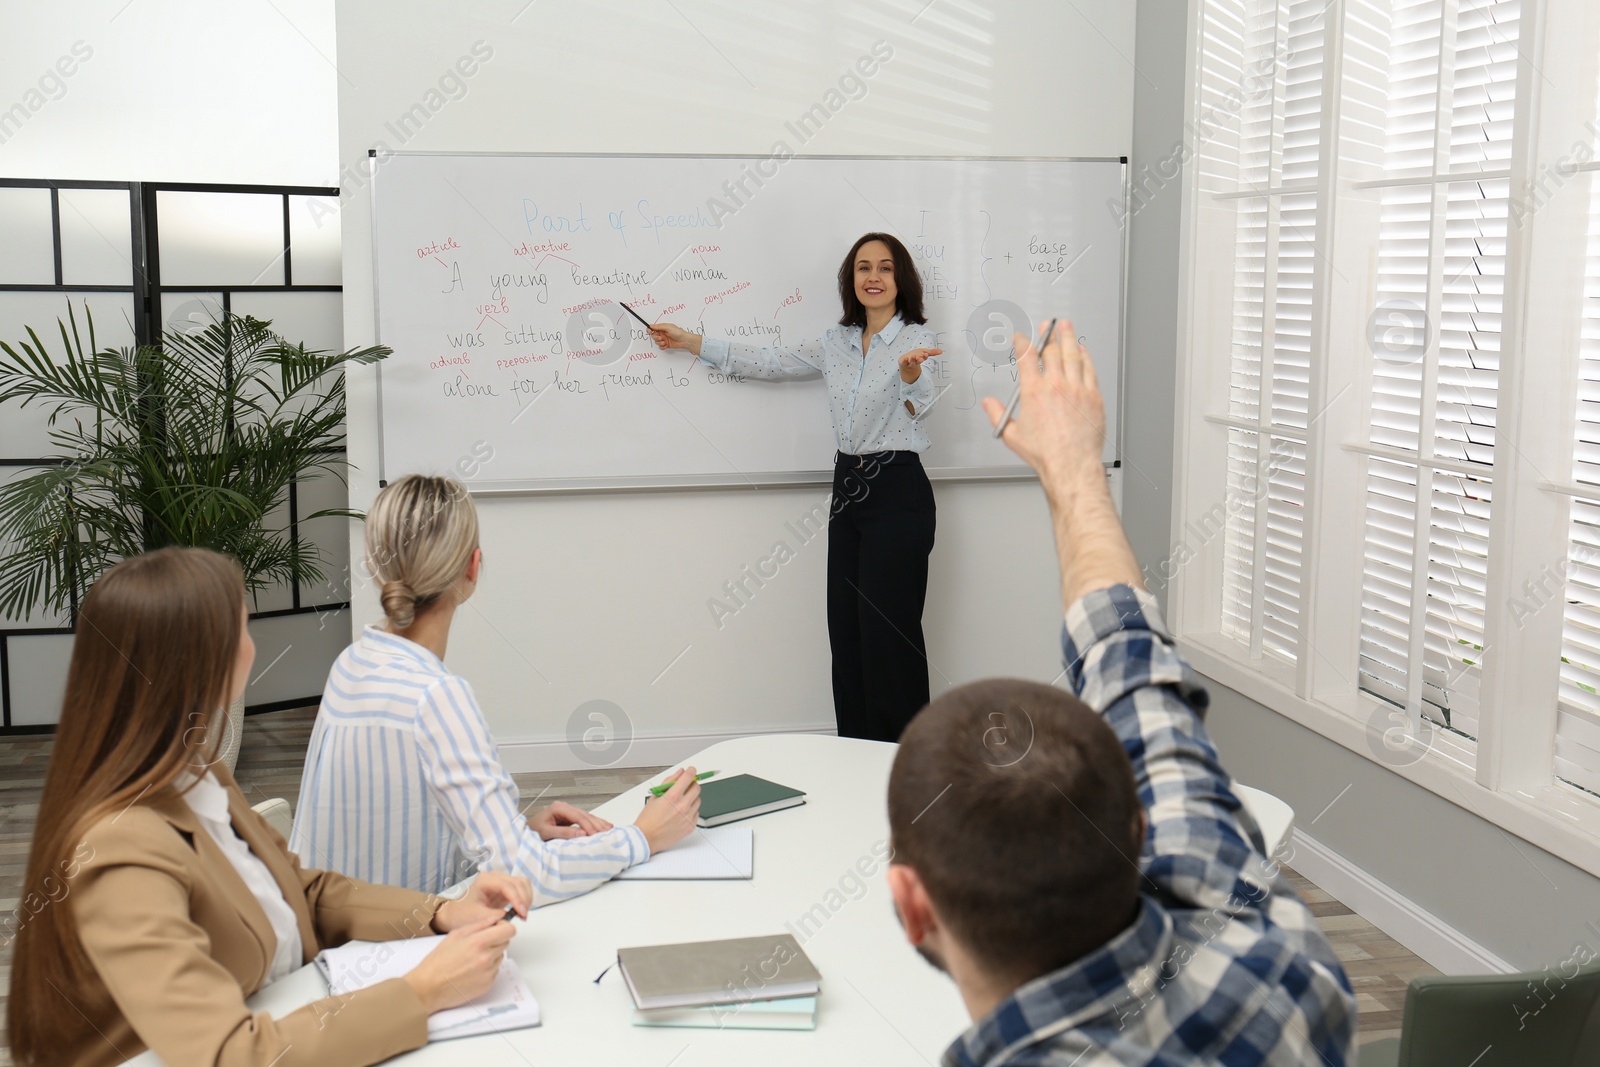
1016, 806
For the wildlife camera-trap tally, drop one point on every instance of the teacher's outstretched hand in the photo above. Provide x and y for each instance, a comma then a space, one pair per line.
666, 335
911, 363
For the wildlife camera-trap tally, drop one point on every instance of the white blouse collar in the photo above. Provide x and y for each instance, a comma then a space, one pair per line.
208, 798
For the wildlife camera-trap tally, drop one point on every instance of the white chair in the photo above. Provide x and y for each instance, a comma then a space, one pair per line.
1275, 818
277, 813
231, 719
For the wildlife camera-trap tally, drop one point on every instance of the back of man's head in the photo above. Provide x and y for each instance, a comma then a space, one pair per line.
1015, 804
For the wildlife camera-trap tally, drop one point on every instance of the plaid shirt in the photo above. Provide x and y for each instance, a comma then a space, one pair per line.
1224, 964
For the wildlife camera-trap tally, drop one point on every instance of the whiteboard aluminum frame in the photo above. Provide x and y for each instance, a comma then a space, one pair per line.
377, 294
754, 479
761, 480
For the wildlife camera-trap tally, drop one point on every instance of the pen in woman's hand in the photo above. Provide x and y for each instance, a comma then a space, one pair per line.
661, 790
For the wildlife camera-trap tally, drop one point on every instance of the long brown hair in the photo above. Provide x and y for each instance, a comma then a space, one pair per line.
151, 666
907, 283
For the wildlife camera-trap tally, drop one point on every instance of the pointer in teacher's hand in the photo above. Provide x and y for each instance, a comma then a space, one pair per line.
911, 363
634, 313
666, 335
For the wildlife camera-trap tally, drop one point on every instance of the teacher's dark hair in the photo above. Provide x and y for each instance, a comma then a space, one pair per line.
907, 283
1016, 805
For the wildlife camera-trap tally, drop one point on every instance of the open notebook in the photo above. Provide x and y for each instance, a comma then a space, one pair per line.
720, 852
508, 1005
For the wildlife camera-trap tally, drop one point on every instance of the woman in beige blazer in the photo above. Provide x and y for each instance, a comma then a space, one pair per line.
148, 914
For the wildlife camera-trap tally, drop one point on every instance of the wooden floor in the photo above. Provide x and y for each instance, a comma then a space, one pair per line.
274, 750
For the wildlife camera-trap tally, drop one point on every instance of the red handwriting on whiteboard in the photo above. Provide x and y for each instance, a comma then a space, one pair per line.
518, 361
716, 298
437, 247
793, 298
526, 249
585, 306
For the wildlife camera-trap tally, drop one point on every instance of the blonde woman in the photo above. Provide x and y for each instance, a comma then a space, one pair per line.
402, 782
157, 900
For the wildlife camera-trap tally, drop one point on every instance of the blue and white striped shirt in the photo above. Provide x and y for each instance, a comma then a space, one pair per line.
403, 785
1224, 964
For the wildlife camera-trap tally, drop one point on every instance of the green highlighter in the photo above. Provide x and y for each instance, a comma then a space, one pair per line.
661, 790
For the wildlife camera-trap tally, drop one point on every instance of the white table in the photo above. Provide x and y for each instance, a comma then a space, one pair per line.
880, 1004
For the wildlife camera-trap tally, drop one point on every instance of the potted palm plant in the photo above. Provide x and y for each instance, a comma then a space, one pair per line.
194, 441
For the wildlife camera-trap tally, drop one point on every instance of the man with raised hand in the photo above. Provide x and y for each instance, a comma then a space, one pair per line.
1080, 865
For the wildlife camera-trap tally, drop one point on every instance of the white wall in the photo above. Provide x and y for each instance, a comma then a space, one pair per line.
170, 91
176, 91
593, 597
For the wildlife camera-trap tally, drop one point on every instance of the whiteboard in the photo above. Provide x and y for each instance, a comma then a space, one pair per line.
500, 280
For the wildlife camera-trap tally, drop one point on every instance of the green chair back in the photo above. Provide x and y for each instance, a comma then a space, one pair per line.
1548, 1018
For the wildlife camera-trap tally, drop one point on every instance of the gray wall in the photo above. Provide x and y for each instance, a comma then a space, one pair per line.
1152, 303
1518, 901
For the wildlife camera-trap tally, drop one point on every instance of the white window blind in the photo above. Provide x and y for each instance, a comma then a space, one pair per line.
1577, 754
1387, 198
1441, 260
1262, 75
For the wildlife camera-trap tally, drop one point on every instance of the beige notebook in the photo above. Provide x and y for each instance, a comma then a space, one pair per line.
718, 972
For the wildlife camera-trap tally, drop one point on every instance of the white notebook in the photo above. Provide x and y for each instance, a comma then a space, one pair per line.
720, 852
793, 1013
508, 1005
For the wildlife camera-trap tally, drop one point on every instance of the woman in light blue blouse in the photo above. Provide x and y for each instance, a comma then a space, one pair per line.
881, 530
403, 782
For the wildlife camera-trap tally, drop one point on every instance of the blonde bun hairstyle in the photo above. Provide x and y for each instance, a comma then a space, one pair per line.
421, 533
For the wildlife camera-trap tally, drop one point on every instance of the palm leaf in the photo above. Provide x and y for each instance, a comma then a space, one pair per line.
193, 442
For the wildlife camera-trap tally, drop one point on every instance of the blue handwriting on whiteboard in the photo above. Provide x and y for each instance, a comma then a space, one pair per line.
553, 223
683, 220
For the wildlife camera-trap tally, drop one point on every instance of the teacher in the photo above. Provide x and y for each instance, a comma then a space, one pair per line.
881, 530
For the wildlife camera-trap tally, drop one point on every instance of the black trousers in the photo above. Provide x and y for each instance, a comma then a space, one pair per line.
879, 538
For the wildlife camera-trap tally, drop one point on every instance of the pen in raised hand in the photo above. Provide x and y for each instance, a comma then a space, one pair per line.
1011, 408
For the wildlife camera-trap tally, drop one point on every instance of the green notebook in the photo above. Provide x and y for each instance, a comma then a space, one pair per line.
725, 800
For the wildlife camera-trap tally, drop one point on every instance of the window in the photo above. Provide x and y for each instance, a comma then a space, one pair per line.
1451, 92
1390, 411
1278, 157
266, 251
1577, 755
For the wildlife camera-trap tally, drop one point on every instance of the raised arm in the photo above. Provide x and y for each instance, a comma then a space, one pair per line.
753, 361
480, 802
1119, 657
1060, 429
